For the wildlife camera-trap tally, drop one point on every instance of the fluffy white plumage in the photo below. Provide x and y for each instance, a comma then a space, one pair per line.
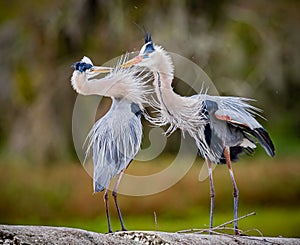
130, 84
171, 108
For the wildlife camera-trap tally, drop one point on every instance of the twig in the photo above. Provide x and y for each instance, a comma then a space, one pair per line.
155, 221
218, 233
231, 221
222, 226
254, 229
243, 237
221, 229
190, 230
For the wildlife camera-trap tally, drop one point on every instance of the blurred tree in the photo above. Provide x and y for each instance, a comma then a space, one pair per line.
247, 48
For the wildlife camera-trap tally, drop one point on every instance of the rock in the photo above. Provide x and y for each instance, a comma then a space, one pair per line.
10, 234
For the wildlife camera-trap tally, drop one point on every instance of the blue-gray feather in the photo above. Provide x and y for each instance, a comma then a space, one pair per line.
114, 141
230, 122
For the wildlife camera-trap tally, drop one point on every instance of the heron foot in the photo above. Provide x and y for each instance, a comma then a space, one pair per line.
237, 233
123, 229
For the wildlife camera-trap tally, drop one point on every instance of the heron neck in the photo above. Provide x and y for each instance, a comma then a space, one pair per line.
87, 84
121, 85
165, 69
163, 78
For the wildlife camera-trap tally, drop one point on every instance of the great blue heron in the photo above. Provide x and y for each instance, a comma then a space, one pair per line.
115, 138
223, 127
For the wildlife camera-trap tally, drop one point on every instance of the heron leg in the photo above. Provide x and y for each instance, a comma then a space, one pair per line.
114, 193
212, 195
105, 197
235, 191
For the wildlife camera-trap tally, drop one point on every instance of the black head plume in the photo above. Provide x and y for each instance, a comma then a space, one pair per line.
149, 44
148, 38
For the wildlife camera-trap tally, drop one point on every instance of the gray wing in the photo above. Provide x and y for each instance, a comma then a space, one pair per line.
237, 112
114, 141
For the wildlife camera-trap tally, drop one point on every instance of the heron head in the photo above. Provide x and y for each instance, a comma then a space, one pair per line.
86, 65
148, 47
83, 65
146, 56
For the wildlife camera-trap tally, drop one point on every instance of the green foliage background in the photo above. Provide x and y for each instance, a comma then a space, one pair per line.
247, 48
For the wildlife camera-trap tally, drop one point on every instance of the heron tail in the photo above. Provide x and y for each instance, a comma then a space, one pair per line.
264, 139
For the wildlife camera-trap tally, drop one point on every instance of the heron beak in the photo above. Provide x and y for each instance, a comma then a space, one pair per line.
132, 62
101, 69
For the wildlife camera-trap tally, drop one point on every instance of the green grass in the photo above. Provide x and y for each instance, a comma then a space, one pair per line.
61, 195
269, 221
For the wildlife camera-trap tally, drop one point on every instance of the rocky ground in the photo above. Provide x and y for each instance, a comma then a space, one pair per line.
59, 235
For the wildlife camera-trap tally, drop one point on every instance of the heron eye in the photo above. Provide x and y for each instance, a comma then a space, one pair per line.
88, 66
